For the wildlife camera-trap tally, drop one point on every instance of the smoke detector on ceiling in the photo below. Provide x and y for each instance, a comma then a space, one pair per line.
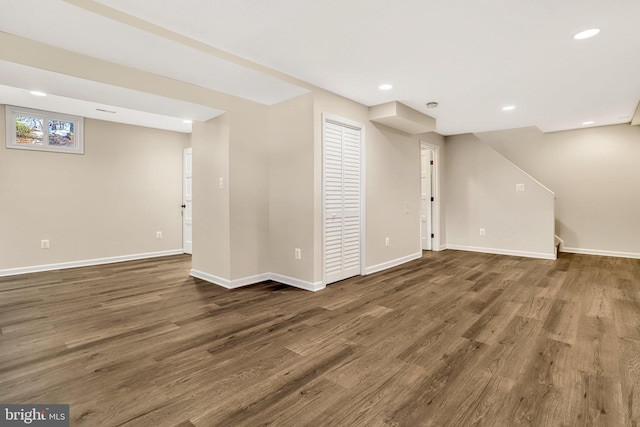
432, 104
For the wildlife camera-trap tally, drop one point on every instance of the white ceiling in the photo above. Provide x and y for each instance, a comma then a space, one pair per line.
472, 57
85, 98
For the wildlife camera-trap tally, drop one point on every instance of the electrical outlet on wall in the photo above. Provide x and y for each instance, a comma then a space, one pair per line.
298, 253
519, 187
482, 232
387, 242
158, 234
44, 244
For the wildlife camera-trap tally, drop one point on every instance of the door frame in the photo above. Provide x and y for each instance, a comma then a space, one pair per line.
184, 197
363, 208
435, 207
426, 169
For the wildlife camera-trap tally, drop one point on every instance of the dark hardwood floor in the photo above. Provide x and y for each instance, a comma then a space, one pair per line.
454, 338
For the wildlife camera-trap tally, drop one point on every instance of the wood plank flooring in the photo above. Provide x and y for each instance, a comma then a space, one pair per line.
452, 339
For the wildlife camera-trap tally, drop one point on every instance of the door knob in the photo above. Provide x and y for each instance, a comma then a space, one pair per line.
184, 206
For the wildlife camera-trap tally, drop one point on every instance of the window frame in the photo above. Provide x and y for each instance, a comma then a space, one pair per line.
12, 112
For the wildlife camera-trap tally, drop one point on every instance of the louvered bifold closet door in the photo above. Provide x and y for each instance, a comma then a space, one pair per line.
342, 201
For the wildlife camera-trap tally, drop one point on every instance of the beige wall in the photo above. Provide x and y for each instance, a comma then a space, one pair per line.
231, 224
481, 193
327, 103
249, 189
108, 202
291, 184
235, 235
392, 178
393, 181
211, 220
274, 162
594, 173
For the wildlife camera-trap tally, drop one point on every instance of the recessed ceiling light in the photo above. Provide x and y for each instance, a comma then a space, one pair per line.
187, 121
586, 34
508, 108
37, 93
385, 87
590, 122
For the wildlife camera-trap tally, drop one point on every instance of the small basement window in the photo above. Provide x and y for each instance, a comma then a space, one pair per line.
29, 129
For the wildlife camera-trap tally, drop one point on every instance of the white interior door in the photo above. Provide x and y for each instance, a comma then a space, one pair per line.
426, 199
342, 200
187, 207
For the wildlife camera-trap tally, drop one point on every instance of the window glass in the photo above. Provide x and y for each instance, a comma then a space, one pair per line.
29, 130
61, 133
38, 130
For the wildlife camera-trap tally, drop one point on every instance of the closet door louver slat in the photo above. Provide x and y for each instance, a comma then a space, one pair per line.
342, 201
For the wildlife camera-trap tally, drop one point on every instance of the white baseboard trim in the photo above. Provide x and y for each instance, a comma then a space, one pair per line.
510, 252
291, 281
392, 263
225, 283
250, 280
86, 263
443, 247
229, 284
598, 252
302, 284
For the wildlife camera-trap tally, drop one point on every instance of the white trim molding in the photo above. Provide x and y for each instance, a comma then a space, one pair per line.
539, 255
86, 263
617, 254
393, 263
225, 283
229, 284
436, 242
251, 280
302, 284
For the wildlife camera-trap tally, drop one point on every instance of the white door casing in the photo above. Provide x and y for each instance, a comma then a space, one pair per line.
426, 194
187, 200
434, 206
343, 209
